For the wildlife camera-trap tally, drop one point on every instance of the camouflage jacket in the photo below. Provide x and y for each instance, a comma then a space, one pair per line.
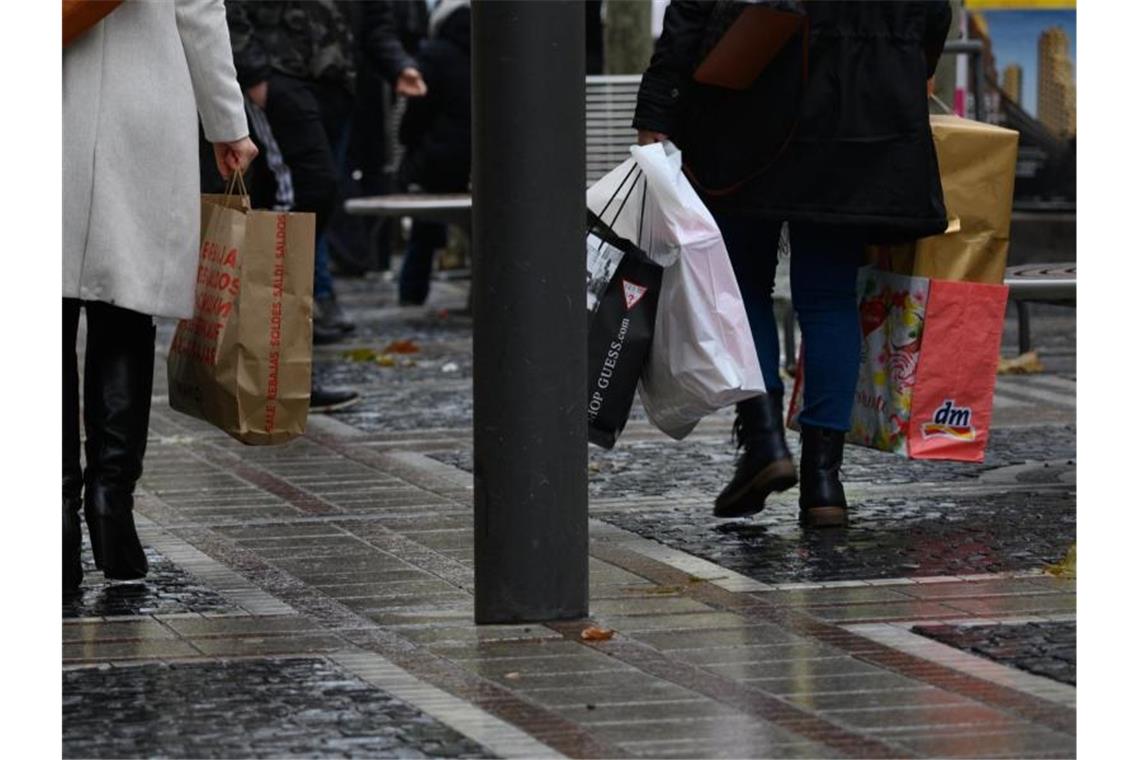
307, 39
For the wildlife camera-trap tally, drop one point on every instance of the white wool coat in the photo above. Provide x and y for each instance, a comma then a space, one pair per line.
134, 86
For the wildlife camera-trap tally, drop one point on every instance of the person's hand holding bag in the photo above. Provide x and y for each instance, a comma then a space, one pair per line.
234, 155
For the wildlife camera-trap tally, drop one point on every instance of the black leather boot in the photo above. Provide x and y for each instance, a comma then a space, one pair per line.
118, 377
822, 501
765, 464
72, 471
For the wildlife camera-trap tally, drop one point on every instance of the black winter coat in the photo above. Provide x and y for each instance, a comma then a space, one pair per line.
436, 128
849, 145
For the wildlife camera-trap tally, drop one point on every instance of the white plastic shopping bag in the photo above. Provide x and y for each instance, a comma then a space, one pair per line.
702, 357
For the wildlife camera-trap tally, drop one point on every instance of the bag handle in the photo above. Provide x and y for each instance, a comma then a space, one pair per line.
599, 220
236, 181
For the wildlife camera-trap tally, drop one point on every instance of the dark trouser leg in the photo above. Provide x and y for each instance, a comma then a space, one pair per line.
825, 263
765, 464
118, 379
752, 249
307, 121
72, 471
415, 273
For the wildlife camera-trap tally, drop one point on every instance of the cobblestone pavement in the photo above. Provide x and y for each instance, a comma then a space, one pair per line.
168, 589
316, 598
285, 707
1047, 649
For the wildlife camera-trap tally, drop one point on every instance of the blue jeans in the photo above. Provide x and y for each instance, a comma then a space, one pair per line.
415, 274
824, 265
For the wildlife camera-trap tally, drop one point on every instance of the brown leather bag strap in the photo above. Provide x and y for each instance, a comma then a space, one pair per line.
718, 192
81, 15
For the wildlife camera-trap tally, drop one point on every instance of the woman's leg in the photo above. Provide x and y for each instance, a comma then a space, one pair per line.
825, 262
764, 465
118, 378
72, 471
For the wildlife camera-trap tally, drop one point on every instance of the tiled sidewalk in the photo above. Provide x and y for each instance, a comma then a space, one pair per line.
314, 599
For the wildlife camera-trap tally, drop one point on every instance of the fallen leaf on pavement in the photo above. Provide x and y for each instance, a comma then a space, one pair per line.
361, 355
385, 360
1026, 364
513, 676
1066, 568
593, 633
402, 347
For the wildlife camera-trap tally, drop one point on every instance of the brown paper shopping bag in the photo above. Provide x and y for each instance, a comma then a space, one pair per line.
976, 163
243, 361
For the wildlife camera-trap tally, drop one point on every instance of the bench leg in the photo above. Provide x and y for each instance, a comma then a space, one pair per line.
1023, 338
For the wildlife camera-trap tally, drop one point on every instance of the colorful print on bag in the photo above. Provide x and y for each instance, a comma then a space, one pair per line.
928, 369
892, 311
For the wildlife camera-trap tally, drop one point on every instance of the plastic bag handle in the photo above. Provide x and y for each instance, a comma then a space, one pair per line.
600, 220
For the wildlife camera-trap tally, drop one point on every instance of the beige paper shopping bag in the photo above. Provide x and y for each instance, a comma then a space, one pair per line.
243, 362
976, 162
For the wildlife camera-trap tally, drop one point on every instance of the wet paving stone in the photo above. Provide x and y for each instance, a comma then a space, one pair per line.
1045, 649
167, 589
427, 389
701, 467
888, 537
906, 533
296, 707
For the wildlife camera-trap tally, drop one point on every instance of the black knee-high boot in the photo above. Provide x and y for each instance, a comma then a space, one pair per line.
72, 471
117, 381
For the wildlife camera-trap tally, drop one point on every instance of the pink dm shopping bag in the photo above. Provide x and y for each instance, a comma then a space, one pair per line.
928, 368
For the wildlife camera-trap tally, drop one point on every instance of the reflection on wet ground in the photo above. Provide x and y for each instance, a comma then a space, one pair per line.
295, 707
167, 589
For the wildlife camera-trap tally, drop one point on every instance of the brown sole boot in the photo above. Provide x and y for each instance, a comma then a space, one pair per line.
824, 517
822, 501
748, 497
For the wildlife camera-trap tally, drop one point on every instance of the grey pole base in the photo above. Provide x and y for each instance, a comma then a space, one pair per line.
528, 175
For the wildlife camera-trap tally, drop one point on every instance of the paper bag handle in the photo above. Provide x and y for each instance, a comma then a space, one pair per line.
237, 181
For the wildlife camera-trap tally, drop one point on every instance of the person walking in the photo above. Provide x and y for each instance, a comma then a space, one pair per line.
829, 135
134, 87
296, 60
436, 134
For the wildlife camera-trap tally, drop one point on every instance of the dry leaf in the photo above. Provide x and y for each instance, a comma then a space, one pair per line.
1066, 568
361, 355
385, 360
402, 347
593, 633
513, 676
1026, 364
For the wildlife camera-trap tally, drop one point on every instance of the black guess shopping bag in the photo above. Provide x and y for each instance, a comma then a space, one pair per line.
622, 287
